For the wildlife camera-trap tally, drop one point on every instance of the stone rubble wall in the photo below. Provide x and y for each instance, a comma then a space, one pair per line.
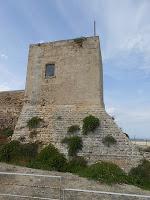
57, 119
11, 103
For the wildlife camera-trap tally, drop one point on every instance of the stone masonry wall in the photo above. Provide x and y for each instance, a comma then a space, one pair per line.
11, 103
58, 118
78, 77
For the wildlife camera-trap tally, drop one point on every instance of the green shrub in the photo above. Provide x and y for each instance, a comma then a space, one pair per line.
49, 159
15, 151
141, 174
74, 144
29, 150
10, 151
34, 122
105, 172
109, 140
76, 164
90, 123
6, 132
73, 128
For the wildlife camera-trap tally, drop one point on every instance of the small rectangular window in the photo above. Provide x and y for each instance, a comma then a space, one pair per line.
49, 70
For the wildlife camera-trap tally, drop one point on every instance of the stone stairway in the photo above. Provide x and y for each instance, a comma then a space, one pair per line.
56, 185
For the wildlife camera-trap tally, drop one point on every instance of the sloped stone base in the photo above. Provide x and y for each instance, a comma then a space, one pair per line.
57, 118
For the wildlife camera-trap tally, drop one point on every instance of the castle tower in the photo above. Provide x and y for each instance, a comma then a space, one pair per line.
65, 73
64, 85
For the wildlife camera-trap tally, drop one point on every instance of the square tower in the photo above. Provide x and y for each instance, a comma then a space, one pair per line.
65, 73
64, 85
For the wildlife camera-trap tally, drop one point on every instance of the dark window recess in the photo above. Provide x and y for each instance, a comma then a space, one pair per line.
49, 70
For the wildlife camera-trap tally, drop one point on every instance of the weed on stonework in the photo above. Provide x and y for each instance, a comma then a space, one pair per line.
74, 144
34, 122
90, 123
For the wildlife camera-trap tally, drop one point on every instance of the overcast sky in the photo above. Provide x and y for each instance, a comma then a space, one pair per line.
124, 30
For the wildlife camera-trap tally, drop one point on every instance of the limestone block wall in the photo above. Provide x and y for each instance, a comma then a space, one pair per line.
57, 118
11, 103
78, 77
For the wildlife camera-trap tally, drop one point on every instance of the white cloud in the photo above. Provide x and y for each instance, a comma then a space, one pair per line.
3, 56
124, 29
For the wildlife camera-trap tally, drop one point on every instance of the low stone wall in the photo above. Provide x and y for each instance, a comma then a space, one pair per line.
11, 103
50, 187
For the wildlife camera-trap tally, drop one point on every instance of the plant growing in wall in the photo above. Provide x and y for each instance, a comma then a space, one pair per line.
109, 140
74, 144
73, 128
79, 41
34, 122
90, 123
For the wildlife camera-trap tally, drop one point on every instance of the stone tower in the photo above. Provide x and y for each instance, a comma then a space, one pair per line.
76, 78
65, 84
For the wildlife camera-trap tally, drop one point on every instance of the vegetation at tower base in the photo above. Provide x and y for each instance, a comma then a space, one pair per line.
90, 123
76, 164
74, 144
15, 152
109, 140
105, 172
6, 132
141, 175
73, 128
34, 122
51, 159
